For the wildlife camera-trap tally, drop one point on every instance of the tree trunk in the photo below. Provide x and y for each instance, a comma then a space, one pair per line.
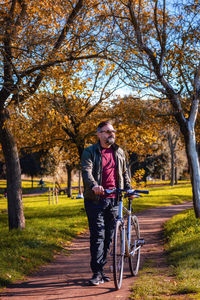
69, 181
172, 141
172, 166
175, 175
193, 162
13, 174
79, 182
32, 180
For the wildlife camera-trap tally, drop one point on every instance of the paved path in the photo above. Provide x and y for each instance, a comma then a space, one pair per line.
67, 276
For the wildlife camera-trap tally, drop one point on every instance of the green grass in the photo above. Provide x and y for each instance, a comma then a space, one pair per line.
26, 186
49, 228
163, 196
153, 283
183, 248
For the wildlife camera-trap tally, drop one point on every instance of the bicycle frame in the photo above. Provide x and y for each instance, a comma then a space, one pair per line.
120, 217
127, 241
126, 236
127, 231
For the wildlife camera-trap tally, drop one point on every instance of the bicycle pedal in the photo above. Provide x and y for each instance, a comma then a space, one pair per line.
140, 242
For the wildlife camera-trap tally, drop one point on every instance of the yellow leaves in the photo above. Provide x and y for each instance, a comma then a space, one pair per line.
107, 72
66, 118
133, 121
135, 52
52, 112
102, 63
137, 178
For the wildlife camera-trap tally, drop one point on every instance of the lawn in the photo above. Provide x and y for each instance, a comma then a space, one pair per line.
182, 245
163, 196
51, 227
183, 249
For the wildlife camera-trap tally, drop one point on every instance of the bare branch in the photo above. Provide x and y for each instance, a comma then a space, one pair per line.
158, 89
164, 38
156, 21
22, 13
195, 100
66, 28
101, 95
197, 82
58, 43
48, 64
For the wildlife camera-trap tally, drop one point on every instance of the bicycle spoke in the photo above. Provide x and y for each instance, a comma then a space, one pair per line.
118, 256
126, 246
134, 250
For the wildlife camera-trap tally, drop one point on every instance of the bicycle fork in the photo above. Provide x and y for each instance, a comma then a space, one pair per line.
138, 243
123, 227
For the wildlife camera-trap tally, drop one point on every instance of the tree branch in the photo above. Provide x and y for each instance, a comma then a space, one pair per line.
195, 100
46, 65
58, 43
69, 21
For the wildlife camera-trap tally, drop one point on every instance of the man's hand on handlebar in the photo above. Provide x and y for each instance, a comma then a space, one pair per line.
98, 190
131, 197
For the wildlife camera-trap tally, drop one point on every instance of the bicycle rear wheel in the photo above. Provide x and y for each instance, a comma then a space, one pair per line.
118, 255
134, 249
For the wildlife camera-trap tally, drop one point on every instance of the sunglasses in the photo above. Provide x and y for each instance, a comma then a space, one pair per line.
108, 131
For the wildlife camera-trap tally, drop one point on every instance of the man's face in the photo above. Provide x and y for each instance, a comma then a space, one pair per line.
106, 136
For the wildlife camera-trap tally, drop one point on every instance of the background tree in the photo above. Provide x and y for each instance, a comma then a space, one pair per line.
38, 163
30, 165
68, 113
170, 140
158, 48
135, 131
35, 37
154, 164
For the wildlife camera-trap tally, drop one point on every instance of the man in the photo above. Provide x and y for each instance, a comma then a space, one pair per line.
103, 167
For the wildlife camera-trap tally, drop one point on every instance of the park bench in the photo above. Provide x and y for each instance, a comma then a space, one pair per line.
61, 190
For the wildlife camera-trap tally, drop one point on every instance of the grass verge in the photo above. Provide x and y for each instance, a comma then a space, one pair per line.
183, 249
179, 279
153, 283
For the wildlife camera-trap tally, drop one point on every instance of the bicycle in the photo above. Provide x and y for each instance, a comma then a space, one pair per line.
126, 241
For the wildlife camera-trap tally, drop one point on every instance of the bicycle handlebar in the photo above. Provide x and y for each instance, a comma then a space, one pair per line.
142, 191
128, 191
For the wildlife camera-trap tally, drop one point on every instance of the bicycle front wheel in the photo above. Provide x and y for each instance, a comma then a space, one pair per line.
134, 249
118, 255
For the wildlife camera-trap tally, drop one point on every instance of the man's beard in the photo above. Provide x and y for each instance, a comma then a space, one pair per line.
110, 140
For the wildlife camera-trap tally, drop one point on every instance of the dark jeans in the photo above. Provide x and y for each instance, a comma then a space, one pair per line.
101, 219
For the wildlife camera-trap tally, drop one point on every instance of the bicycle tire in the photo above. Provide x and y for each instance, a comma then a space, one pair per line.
118, 255
134, 259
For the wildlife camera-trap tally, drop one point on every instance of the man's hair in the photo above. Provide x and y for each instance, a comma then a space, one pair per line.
102, 124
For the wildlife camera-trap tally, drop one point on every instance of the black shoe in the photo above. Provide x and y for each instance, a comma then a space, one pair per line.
96, 279
105, 277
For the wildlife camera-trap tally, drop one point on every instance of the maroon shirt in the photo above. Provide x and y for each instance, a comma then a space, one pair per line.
109, 172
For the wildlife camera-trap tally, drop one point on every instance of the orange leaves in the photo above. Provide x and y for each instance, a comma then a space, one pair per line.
135, 130
137, 178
